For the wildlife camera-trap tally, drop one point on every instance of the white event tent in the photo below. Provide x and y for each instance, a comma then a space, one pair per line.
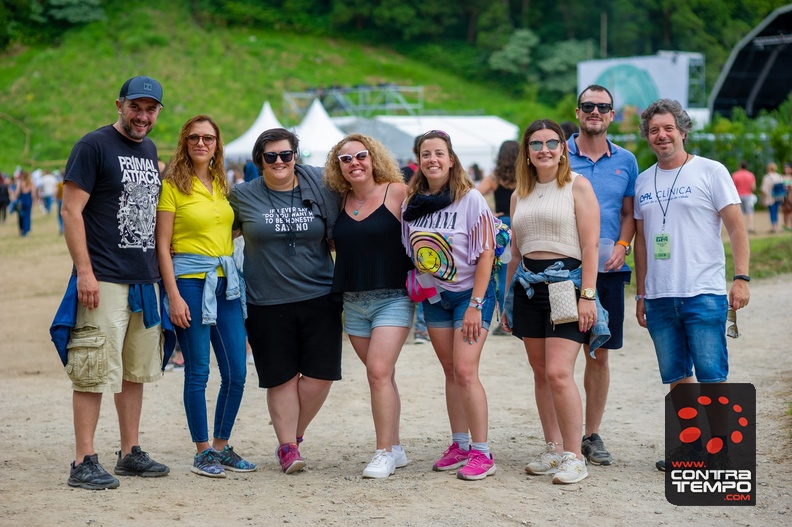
475, 138
317, 135
241, 148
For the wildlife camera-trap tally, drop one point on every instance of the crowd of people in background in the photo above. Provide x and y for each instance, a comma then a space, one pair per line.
23, 190
419, 247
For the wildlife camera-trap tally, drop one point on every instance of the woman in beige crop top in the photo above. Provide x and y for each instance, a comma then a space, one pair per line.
555, 217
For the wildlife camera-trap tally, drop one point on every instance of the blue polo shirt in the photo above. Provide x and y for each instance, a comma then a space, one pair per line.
613, 178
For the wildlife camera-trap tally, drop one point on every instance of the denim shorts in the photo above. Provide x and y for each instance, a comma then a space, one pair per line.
689, 333
365, 311
449, 311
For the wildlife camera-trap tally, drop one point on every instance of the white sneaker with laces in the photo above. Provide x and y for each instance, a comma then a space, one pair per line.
400, 457
381, 465
545, 463
571, 470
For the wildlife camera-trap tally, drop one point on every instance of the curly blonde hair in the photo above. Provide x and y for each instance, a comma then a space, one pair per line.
180, 167
526, 172
384, 166
458, 180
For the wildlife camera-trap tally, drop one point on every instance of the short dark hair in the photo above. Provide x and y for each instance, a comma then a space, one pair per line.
270, 136
595, 87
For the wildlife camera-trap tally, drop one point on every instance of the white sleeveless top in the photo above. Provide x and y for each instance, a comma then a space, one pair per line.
545, 220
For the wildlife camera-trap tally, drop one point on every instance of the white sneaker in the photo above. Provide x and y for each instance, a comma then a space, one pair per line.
400, 457
382, 465
545, 463
571, 470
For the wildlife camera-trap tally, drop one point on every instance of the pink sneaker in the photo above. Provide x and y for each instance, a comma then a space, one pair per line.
479, 466
452, 458
290, 459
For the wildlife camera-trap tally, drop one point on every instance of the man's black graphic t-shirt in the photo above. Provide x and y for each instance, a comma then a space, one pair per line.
123, 180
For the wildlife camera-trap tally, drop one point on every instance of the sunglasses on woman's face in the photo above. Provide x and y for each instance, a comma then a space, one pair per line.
272, 157
536, 146
347, 158
193, 139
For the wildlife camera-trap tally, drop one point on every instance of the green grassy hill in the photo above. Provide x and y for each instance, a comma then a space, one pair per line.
60, 93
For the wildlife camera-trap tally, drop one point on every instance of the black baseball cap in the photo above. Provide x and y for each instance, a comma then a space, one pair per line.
138, 87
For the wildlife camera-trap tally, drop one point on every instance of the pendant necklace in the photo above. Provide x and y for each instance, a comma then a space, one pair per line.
291, 237
361, 202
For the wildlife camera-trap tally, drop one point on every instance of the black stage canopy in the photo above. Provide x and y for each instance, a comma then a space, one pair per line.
758, 74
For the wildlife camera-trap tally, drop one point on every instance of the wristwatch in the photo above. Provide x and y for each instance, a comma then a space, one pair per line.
627, 247
741, 277
588, 293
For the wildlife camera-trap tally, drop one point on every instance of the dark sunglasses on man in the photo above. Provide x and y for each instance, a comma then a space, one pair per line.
602, 107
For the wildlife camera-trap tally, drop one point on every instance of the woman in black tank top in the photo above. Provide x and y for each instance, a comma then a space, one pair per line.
370, 270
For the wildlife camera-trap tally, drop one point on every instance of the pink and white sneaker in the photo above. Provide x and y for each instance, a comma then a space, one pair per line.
452, 458
290, 459
479, 466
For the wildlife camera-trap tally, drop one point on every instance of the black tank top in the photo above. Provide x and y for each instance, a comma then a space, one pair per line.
502, 200
369, 252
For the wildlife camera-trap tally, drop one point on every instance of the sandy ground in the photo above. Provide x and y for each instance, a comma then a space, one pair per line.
36, 431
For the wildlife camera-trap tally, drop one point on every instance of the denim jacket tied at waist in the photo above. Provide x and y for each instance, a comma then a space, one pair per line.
556, 273
187, 263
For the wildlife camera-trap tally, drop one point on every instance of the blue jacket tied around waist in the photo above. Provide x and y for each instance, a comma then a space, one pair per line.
556, 273
142, 297
184, 263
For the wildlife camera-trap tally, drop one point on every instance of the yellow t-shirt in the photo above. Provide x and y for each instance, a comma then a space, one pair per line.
202, 222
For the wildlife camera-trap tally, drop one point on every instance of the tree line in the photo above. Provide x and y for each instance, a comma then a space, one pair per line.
530, 47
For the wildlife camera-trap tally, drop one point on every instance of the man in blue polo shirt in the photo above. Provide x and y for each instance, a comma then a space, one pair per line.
612, 171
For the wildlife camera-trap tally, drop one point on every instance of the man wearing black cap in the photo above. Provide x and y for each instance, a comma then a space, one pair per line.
110, 195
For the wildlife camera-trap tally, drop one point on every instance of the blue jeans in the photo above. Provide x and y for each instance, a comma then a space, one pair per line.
687, 333
228, 340
450, 310
501, 276
773, 209
420, 321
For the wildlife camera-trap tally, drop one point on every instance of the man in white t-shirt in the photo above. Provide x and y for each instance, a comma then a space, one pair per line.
49, 184
680, 204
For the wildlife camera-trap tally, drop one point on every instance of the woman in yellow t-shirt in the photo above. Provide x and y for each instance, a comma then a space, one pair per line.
203, 288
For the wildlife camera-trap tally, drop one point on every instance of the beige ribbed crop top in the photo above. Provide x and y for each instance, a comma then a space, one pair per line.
545, 220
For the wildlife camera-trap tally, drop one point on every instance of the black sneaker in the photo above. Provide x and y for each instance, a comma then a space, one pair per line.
138, 463
593, 449
685, 453
91, 475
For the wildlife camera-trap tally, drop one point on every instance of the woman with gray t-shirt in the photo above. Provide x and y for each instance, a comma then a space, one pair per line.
286, 217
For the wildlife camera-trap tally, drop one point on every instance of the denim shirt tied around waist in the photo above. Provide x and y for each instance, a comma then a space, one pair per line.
556, 273
141, 298
184, 263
